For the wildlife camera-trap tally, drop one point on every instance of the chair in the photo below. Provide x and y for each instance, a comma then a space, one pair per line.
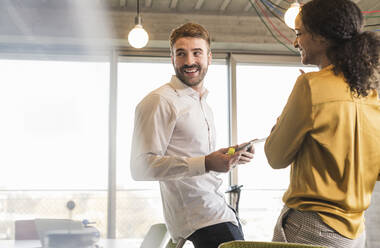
254, 244
26, 230
158, 237
180, 244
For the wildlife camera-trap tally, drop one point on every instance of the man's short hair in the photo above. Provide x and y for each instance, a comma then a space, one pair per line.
189, 30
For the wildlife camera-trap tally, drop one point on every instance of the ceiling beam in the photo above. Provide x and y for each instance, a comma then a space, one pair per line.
148, 3
173, 4
224, 5
199, 4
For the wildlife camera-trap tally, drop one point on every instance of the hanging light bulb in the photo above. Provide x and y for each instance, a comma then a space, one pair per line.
291, 14
138, 37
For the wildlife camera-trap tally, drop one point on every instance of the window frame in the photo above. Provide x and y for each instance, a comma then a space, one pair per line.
115, 56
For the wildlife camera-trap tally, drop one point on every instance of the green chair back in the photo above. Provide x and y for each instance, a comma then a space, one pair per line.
180, 244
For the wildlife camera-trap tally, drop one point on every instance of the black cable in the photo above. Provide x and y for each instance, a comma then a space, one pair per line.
235, 189
237, 201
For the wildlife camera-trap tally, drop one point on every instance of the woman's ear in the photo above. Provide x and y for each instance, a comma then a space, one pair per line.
324, 41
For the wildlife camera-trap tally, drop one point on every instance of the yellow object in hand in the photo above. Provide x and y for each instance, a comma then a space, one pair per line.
231, 151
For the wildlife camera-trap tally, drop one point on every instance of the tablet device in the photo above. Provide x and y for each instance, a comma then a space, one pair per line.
249, 144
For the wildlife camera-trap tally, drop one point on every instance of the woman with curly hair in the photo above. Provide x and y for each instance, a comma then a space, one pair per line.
329, 130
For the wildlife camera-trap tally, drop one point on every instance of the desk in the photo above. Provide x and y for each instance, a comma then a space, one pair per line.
103, 243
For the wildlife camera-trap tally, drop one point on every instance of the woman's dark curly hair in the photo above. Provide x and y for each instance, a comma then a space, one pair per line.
352, 52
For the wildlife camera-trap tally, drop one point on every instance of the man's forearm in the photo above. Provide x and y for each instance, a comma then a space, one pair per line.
152, 167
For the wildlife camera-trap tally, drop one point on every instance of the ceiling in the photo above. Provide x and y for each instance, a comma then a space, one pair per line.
234, 25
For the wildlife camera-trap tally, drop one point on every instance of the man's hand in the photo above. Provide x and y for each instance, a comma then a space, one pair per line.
220, 161
247, 155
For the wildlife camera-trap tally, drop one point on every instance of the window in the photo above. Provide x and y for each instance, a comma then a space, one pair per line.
261, 96
53, 140
54, 127
55, 131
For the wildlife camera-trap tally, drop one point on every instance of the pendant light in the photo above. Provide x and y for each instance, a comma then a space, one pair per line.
291, 14
138, 37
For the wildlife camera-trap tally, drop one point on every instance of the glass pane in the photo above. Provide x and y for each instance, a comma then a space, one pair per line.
55, 124
143, 198
216, 82
54, 141
262, 92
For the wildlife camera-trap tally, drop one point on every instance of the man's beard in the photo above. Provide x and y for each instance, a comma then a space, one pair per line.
189, 81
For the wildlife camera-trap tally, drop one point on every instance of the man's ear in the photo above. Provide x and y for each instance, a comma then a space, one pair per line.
209, 58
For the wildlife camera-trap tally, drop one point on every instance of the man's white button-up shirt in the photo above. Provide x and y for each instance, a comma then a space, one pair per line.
174, 130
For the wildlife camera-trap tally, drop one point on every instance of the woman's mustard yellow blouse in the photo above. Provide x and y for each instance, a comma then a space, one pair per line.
332, 141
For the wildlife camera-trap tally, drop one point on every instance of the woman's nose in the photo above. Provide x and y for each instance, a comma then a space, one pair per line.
295, 43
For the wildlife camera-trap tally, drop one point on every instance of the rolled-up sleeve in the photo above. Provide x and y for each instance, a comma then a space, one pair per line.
293, 124
155, 120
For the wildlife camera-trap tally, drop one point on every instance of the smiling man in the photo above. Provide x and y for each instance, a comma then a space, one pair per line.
174, 143
191, 59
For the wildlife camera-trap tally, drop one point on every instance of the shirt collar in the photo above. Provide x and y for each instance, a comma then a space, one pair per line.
182, 89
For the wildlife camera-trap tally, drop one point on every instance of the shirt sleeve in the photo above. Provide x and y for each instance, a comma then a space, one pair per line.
155, 120
293, 124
